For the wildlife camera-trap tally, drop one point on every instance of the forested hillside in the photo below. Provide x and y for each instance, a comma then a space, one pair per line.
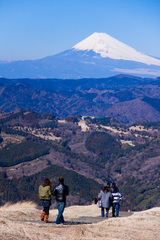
87, 151
126, 98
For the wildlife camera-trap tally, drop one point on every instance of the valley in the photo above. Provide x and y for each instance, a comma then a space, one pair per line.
87, 151
127, 98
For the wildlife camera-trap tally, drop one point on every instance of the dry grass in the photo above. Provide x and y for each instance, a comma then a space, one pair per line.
21, 221
19, 205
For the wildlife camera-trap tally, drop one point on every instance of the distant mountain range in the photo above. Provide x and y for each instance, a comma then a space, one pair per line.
123, 97
98, 56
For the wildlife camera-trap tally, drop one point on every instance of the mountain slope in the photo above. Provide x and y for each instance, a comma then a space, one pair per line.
77, 151
127, 98
109, 47
97, 56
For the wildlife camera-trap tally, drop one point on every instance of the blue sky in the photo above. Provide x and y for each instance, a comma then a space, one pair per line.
33, 29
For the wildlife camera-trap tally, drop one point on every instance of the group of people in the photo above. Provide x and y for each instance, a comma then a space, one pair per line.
109, 196
60, 192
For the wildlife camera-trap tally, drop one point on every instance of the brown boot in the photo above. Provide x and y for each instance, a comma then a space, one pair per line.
42, 216
46, 218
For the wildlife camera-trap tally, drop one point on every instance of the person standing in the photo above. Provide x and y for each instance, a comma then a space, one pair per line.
60, 192
117, 196
45, 197
106, 200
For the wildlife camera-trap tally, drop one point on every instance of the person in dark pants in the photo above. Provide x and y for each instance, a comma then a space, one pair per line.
117, 196
45, 197
60, 192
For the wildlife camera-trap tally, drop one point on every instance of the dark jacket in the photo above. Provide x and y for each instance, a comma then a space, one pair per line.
60, 192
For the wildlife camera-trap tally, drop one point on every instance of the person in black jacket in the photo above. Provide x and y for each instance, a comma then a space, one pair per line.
60, 192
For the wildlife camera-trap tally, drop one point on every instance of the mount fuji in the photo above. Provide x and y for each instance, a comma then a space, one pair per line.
97, 56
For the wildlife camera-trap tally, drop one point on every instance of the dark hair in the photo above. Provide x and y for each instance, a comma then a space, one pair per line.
61, 179
47, 182
114, 186
106, 189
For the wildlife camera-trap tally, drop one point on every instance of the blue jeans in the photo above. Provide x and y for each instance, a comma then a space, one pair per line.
60, 206
115, 208
102, 211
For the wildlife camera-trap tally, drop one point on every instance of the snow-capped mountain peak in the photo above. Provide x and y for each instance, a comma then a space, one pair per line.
98, 56
110, 47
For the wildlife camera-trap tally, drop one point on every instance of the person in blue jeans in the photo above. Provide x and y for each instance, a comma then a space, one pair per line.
117, 196
106, 199
60, 192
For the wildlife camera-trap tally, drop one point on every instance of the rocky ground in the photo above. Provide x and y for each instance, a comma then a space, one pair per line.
21, 221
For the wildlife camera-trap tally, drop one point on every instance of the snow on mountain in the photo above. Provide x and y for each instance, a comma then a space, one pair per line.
110, 47
98, 56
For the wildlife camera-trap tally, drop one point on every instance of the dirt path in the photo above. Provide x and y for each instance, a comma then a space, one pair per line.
78, 221
19, 222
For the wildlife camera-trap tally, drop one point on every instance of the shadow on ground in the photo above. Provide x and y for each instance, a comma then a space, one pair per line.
81, 220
